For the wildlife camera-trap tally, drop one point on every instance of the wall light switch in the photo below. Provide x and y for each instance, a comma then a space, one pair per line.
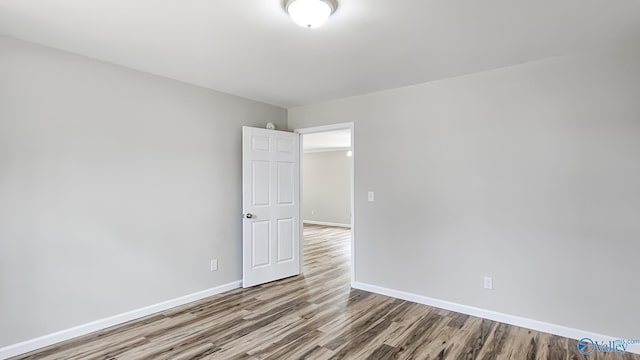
370, 196
488, 283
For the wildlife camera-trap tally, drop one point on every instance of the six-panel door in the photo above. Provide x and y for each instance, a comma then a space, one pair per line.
271, 209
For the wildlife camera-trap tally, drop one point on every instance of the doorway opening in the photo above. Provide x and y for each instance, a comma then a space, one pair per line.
327, 158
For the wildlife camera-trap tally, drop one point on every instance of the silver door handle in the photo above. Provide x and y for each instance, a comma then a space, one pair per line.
249, 216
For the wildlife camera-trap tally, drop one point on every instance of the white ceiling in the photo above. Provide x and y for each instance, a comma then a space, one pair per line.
326, 141
252, 49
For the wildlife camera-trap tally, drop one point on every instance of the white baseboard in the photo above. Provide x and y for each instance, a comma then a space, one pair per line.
43, 341
491, 315
324, 223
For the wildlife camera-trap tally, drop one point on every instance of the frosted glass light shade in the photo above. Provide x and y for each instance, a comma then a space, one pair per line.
309, 13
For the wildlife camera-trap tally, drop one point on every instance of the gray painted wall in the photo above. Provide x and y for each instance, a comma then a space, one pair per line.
116, 188
529, 174
327, 187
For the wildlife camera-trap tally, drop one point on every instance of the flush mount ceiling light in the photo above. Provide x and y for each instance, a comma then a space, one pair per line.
310, 13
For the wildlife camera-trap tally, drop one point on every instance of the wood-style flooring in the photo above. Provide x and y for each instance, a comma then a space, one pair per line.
315, 316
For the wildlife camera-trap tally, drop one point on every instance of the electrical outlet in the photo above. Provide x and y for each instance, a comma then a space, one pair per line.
214, 265
371, 196
488, 283
313, 212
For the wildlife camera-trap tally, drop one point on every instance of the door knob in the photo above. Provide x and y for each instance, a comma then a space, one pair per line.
249, 216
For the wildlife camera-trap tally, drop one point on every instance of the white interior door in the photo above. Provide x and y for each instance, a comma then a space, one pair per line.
270, 205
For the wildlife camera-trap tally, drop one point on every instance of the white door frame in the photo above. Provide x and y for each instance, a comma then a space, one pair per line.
325, 128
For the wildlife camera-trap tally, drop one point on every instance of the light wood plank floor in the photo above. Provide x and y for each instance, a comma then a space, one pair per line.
315, 316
